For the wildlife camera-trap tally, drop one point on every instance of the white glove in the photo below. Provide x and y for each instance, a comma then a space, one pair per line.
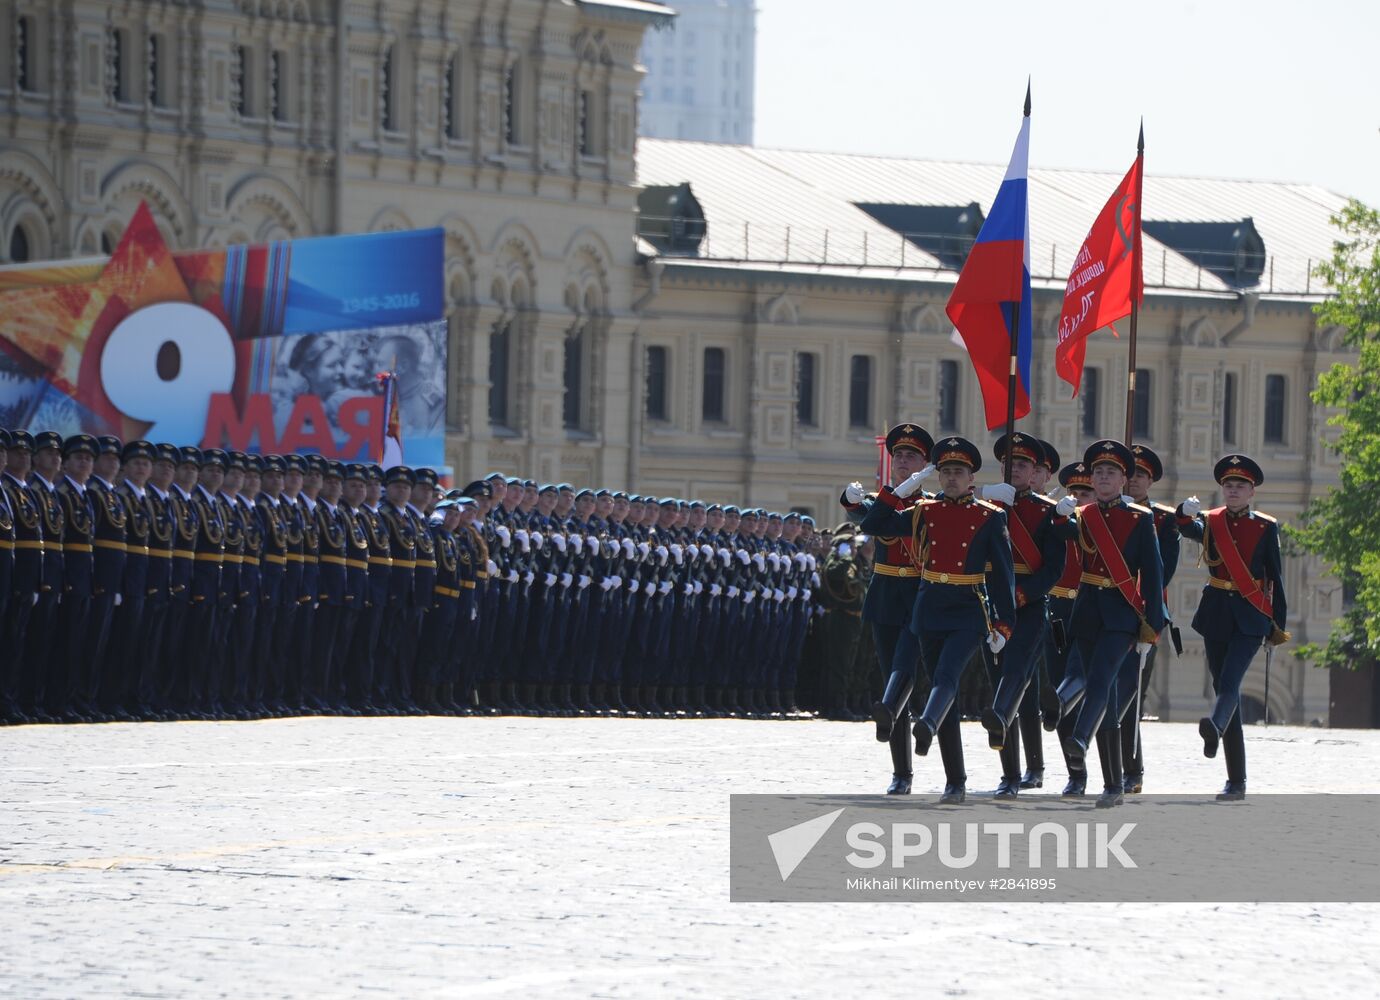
995, 641
913, 483
1065, 506
799, 560
504, 535
759, 561
810, 561
665, 587
689, 590
1143, 647
606, 584
777, 595
725, 556
35, 598
814, 579
1002, 493
775, 560
550, 580
748, 595
628, 548
536, 539
706, 551
634, 585
715, 590
1127, 498
521, 534
474, 613
643, 548
616, 581
528, 577
732, 590
805, 596
791, 594
491, 567
743, 557
1191, 507
678, 552
584, 581
662, 553
853, 493
845, 549
559, 541
512, 576
699, 588
566, 579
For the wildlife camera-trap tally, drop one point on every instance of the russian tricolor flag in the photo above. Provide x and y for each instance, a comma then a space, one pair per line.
993, 289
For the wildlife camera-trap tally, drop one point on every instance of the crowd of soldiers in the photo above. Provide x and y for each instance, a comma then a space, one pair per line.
147, 581
1063, 601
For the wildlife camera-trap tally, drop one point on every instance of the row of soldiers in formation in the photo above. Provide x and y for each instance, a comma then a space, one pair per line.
151, 581
1063, 600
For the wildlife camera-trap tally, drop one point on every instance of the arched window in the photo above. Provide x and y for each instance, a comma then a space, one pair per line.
277, 87
1141, 417
500, 346
1091, 394
1229, 408
574, 375
712, 395
119, 65
19, 245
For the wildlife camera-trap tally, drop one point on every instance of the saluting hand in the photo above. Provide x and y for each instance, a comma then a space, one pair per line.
853, 493
1192, 506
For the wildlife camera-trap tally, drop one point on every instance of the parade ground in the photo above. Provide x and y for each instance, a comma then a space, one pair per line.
572, 857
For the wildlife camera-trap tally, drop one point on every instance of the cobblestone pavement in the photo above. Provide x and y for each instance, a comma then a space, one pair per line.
568, 857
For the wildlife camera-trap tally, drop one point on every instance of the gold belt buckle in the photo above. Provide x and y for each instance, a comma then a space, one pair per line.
943, 577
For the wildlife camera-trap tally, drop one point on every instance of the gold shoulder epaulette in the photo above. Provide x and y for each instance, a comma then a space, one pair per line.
989, 508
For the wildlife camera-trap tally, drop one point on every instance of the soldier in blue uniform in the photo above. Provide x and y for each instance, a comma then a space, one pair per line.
332, 590
1119, 607
356, 640
890, 603
18, 578
969, 593
436, 652
241, 485
202, 646
1039, 530
155, 663
108, 557
1133, 682
394, 685
67, 688
1243, 605
120, 694
1029, 717
266, 687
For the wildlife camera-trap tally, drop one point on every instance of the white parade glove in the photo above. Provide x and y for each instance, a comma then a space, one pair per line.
707, 551
845, 549
853, 493
912, 484
775, 560
1002, 493
35, 598
634, 585
805, 596
689, 589
528, 577
504, 535
537, 539
665, 587
662, 553
606, 584
1065, 506
759, 561
791, 594
748, 596
1127, 498
491, 567
732, 590
584, 581
566, 579
593, 544
1143, 647
525, 543
617, 581
118, 598
725, 556
678, 552
549, 580
643, 548
715, 590
512, 576
628, 548
521, 534
743, 557
777, 596
559, 541
995, 641
814, 579
810, 561
799, 560
474, 613
1191, 507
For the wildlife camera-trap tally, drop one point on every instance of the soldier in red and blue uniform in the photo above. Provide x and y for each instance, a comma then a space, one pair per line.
1120, 607
889, 604
969, 594
1243, 604
1040, 530
1029, 717
1133, 682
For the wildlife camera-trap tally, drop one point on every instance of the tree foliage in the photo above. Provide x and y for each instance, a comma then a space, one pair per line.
1343, 526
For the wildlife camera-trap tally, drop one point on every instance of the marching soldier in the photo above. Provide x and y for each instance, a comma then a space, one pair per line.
1119, 607
328, 642
243, 480
365, 668
1029, 717
890, 602
963, 603
154, 663
266, 687
1133, 681
128, 639
67, 686
1243, 604
109, 554
395, 690
1039, 530
201, 657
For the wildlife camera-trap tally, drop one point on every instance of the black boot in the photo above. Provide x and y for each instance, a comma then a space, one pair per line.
997, 718
1033, 740
788, 702
1010, 765
1233, 791
1077, 784
893, 703
901, 770
1132, 781
1234, 750
1109, 752
924, 736
954, 794
1007, 788
1207, 729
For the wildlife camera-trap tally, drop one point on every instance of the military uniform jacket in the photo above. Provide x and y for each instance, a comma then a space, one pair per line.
6, 549
1167, 533
1222, 611
447, 586
896, 583
158, 573
380, 549
332, 585
252, 551
356, 557
311, 549
138, 521
402, 547
295, 532
27, 524
53, 524
78, 534
963, 548
273, 561
424, 572
210, 547
1100, 605
232, 561
1050, 535
111, 521
186, 528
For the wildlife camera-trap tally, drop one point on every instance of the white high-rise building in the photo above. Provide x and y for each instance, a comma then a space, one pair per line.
700, 73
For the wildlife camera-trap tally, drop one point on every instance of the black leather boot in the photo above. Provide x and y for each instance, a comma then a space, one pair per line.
954, 794
1233, 791
895, 697
1109, 752
1211, 737
1033, 740
924, 736
901, 769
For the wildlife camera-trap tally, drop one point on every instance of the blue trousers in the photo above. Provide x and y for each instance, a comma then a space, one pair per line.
1228, 661
946, 655
1020, 659
1100, 656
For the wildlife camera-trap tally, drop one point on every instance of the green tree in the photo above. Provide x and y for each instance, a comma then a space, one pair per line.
1343, 527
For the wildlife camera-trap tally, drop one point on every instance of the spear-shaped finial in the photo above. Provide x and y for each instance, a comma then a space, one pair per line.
1027, 97
1140, 142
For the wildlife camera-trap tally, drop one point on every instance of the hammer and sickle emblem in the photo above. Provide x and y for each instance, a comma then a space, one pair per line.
1121, 207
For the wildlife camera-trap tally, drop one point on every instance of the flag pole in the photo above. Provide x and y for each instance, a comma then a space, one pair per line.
1011, 368
1135, 287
